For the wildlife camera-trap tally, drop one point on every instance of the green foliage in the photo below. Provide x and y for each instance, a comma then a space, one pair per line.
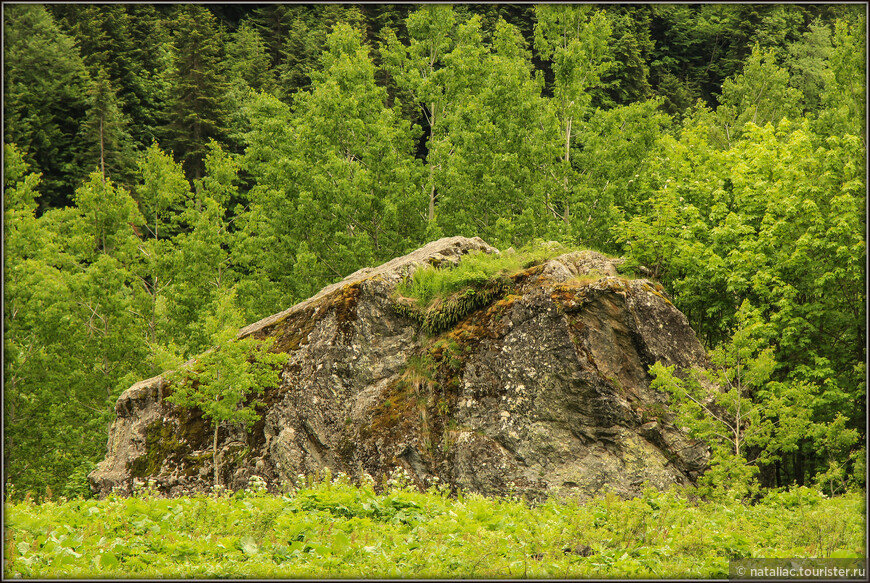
697, 47
611, 154
723, 407
575, 38
69, 322
247, 61
844, 95
438, 296
807, 62
448, 312
331, 529
106, 134
301, 44
759, 95
125, 46
161, 192
476, 268
369, 130
773, 220
222, 381
506, 157
364, 194
111, 215
197, 111
341, 165
627, 79
247, 69
200, 269
44, 90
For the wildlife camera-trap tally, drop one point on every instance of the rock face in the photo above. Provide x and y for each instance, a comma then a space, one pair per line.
542, 390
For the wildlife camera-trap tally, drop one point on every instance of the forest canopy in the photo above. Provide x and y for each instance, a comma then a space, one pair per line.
166, 164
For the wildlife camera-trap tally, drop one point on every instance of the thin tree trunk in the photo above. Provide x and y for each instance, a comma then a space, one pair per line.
102, 152
431, 167
198, 160
215, 453
568, 141
567, 217
432, 194
153, 323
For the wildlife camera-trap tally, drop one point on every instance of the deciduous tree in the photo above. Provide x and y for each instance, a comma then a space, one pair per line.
224, 381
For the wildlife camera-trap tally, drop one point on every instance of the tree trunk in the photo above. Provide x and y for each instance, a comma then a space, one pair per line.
215, 453
153, 324
431, 167
567, 216
432, 194
568, 140
102, 152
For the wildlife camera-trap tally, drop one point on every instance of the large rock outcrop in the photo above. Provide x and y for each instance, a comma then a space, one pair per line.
543, 389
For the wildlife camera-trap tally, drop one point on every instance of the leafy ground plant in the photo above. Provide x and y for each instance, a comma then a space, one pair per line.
333, 529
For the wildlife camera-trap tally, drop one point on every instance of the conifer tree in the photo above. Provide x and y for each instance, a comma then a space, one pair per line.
124, 46
247, 61
197, 112
44, 94
108, 144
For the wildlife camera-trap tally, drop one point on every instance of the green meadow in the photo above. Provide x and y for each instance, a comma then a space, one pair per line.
334, 529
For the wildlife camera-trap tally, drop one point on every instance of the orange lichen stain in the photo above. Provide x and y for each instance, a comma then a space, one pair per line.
525, 275
658, 290
292, 332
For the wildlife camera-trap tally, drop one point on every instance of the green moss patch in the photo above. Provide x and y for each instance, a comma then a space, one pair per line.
161, 441
444, 313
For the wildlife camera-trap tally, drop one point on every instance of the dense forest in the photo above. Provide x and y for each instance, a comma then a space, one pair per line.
175, 170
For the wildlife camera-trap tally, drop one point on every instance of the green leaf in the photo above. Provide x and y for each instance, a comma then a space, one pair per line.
340, 542
249, 546
108, 560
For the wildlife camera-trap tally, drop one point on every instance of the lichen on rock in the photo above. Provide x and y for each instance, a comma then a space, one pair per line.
534, 382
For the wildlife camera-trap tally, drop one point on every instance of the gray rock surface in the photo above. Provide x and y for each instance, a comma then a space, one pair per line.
542, 391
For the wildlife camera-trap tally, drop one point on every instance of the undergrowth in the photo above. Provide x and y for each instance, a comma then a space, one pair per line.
437, 296
474, 270
334, 529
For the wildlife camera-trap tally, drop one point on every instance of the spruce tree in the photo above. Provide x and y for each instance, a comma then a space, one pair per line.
44, 99
196, 107
107, 144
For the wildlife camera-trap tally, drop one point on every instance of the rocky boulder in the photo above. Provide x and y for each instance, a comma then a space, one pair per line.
541, 388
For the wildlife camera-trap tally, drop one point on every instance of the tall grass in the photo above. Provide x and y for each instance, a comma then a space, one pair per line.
475, 269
